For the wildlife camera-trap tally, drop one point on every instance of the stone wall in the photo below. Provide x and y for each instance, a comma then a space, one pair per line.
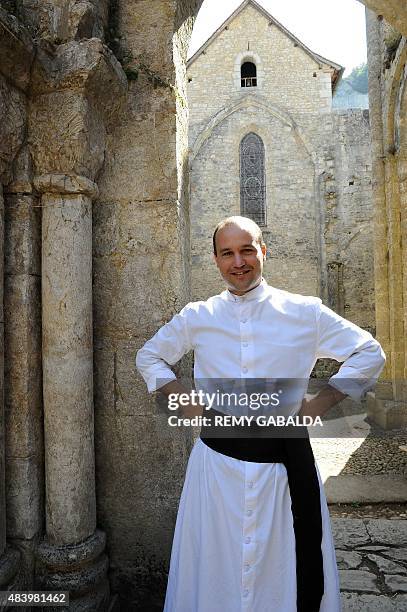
348, 233
141, 278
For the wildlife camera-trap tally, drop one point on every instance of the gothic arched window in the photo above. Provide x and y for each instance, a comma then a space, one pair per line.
252, 179
248, 74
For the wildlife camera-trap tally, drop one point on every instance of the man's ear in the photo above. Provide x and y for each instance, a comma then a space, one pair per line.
214, 258
264, 251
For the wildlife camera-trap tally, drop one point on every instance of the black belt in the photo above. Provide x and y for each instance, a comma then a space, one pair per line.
293, 450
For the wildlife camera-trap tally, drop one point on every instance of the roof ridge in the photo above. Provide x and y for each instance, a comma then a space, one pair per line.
319, 59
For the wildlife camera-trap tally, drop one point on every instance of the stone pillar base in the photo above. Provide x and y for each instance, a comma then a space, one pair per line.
9, 565
387, 413
80, 569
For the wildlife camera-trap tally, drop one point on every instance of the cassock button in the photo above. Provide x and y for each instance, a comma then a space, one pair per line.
245, 344
245, 592
244, 370
244, 320
248, 540
249, 512
250, 485
246, 567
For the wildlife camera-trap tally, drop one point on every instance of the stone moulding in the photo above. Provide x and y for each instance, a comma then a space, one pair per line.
244, 103
77, 568
65, 184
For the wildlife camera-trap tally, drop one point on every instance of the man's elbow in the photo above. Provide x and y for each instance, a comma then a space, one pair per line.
382, 357
140, 359
379, 356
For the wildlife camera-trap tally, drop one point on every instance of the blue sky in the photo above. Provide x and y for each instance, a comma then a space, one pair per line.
332, 28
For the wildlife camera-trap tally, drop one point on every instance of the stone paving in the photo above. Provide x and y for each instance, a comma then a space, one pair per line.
372, 562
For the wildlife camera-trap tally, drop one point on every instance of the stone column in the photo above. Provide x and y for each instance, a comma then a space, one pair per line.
16, 56
22, 371
76, 89
9, 558
72, 554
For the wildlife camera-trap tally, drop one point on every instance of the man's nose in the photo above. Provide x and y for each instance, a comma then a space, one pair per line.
238, 261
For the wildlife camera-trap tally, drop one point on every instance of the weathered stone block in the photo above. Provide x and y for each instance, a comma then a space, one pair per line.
359, 602
389, 532
348, 533
146, 141
396, 583
386, 566
358, 580
347, 559
128, 246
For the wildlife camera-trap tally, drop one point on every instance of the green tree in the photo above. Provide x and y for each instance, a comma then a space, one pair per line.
358, 78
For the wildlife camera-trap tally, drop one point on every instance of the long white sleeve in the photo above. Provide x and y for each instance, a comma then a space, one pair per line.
362, 356
165, 348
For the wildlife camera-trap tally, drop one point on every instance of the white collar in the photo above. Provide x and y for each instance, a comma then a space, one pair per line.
254, 294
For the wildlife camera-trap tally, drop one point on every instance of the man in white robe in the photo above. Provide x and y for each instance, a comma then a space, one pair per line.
239, 542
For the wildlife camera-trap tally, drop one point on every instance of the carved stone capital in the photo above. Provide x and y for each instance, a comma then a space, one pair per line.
77, 90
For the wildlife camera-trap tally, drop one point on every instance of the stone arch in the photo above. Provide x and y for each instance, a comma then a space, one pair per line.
256, 103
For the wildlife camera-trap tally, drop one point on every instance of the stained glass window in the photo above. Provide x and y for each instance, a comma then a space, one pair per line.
252, 179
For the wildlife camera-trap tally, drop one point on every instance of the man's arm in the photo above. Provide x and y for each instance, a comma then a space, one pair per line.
362, 356
175, 389
325, 399
165, 348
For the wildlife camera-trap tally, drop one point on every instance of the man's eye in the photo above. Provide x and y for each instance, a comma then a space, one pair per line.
226, 254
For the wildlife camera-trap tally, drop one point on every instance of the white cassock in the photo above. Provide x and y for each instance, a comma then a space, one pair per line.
234, 547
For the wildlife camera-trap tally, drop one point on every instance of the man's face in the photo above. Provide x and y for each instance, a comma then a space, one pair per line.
239, 258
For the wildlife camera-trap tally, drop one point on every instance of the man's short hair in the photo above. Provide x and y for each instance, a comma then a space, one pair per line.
244, 223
